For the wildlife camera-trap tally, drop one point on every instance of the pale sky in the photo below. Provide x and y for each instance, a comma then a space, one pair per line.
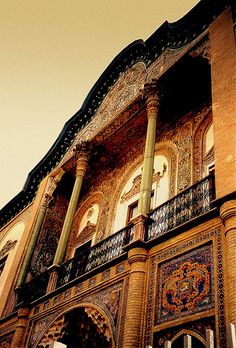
52, 52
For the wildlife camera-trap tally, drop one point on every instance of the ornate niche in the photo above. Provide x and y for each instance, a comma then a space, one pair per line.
50, 232
163, 187
85, 224
49, 236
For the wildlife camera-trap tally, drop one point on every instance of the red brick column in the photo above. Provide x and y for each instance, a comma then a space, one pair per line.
136, 296
228, 216
18, 338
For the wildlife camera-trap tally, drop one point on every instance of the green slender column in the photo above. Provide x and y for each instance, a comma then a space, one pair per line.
37, 228
150, 90
33, 240
81, 152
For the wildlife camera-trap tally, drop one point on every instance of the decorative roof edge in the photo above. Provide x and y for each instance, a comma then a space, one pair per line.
168, 35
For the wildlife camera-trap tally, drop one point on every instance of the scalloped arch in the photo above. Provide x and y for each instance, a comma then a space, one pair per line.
59, 322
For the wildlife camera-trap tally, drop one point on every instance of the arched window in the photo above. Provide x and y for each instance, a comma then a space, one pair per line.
128, 201
87, 228
208, 150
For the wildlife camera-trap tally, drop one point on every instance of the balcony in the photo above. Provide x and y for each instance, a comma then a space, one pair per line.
187, 205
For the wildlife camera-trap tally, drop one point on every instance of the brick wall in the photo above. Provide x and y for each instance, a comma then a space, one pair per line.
223, 68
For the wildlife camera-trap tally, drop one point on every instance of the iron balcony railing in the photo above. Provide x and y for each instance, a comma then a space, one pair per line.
188, 204
97, 255
87, 260
34, 289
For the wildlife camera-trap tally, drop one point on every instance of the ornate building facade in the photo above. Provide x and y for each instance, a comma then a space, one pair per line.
125, 233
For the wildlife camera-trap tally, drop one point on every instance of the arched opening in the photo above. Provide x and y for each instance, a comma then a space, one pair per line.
179, 342
87, 226
84, 327
127, 204
81, 330
208, 150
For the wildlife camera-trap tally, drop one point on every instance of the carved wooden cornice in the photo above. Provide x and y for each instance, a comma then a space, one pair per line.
202, 50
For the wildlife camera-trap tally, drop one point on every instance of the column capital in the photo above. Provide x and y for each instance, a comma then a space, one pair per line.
54, 180
82, 149
82, 153
137, 255
151, 92
228, 210
139, 227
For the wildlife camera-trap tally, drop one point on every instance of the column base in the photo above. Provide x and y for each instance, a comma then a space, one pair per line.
53, 278
140, 230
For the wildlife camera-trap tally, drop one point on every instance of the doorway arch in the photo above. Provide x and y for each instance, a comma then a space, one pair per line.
85, 326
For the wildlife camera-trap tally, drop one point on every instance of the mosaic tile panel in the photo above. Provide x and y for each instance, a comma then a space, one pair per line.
186, 285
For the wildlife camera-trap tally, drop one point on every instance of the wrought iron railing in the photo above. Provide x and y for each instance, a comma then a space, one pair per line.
97, 255
183, 207
33, 289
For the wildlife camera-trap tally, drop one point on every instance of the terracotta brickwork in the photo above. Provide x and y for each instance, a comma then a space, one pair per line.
228, 215
223, 60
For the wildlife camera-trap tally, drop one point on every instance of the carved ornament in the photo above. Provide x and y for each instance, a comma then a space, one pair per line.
54, 180
86, 234
124, 91
137, 183
169, 57
7, 247
53, 333
202, 50
99, 321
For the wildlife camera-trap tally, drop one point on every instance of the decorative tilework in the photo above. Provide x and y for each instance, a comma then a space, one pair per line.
80, 288
5, 342
92, 282
173, 251
106, 274
67, 293
186, 285
120, 268
46, 305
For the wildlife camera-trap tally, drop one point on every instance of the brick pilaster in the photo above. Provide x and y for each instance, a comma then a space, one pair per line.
18, 338
136, 297
228, 216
